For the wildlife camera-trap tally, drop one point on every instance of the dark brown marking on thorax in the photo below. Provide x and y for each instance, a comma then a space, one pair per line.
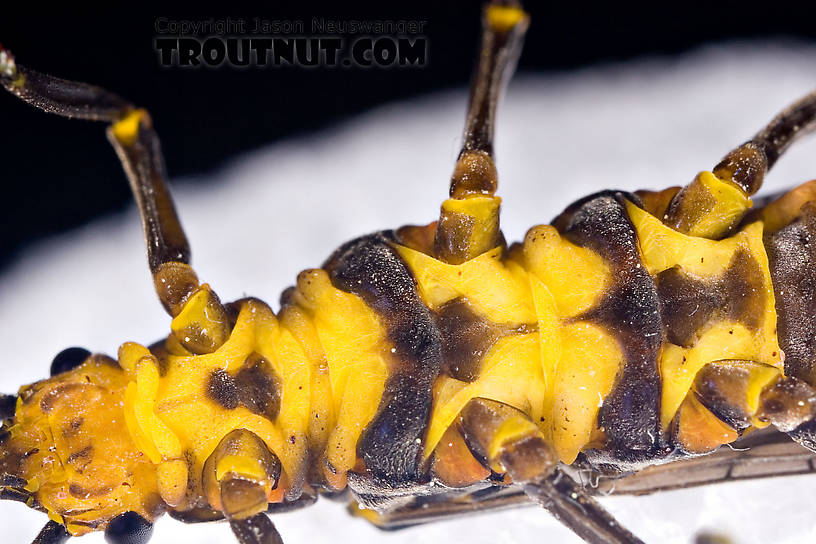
467, 336
391, 444
743, 286
254, 386
221, 388
686, 305
630, 415
689, 303
259, 388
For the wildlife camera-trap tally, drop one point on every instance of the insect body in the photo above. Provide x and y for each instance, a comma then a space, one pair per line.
423, 366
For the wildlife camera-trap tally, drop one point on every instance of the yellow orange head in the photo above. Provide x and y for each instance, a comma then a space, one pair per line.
67, 450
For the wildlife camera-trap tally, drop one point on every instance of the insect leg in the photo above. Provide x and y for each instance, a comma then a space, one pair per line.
570, 504
200, 323
510, 442
239, 478
715, 202
760, 454
52, 533
240, 475
258, 529
730, 396
469, 221
764, 453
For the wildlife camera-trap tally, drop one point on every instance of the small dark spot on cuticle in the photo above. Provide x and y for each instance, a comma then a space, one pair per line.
29, 453
72, 427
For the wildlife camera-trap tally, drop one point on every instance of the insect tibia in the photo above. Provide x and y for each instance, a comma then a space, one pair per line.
503, 29
504, 15
126, 129
60, 96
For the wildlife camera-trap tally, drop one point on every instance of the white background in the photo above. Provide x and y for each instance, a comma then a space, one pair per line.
272, 212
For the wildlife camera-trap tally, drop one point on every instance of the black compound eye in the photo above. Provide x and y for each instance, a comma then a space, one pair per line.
128, 528
68, 359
